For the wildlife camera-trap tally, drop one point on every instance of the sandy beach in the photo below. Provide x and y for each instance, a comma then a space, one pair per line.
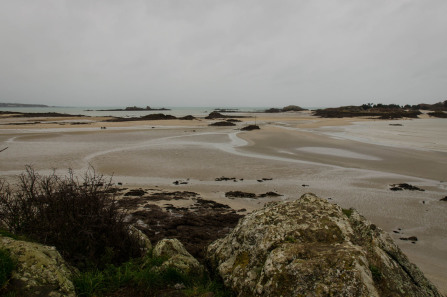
351, 162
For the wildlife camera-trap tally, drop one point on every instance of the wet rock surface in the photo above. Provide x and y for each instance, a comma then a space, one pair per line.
195, 226
222, 124
250, 128
310, 247
405, 186
240, 194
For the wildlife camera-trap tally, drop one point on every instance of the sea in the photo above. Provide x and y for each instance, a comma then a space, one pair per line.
108, 111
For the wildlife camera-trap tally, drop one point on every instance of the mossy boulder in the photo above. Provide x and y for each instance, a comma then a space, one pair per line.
40, 270
310, 247
177, 256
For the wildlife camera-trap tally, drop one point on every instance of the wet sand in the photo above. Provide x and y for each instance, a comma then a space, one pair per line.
351, 162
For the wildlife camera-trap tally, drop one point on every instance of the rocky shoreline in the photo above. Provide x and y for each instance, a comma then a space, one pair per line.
300, 248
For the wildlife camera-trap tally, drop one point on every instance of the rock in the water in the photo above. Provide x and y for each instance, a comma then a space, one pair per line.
40, 270
309, 247
177, 256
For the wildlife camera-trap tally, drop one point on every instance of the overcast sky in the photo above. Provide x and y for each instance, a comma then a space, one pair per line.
223, 53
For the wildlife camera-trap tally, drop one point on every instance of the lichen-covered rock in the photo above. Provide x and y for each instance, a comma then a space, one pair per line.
177, 256
40, 270
144, 241
310, 247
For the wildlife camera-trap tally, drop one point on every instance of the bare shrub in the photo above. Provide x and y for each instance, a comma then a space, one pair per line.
78, 216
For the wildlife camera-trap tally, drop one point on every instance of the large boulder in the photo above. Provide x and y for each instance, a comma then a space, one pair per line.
40, 270
310, 247
176, 256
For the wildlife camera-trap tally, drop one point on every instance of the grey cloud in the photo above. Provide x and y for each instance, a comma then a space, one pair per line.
246, 53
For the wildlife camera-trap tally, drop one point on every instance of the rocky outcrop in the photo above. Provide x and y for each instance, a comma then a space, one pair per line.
144, 241
177, 256
40, 270
310, 247
250, 128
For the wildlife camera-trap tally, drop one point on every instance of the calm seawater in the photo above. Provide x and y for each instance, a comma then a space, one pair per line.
95, 111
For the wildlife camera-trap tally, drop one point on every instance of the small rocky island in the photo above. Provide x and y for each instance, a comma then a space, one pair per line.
135, 108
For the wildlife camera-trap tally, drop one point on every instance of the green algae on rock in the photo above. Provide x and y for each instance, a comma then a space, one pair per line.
309, 247
40, 270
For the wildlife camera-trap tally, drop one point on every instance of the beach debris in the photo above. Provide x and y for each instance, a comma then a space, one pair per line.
242, 210
303, 185
399, 125
444, 199
3, 149
405, 186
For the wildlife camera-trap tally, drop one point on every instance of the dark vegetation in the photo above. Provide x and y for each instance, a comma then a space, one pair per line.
195, 226
347, 212
438, 114
7, 265
79, 217
390, 111
85, 221
383, 111
440, 106
143, 277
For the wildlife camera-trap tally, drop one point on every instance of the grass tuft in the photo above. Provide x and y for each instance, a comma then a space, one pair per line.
7, 265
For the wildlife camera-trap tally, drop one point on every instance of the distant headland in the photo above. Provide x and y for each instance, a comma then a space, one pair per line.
22, 105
